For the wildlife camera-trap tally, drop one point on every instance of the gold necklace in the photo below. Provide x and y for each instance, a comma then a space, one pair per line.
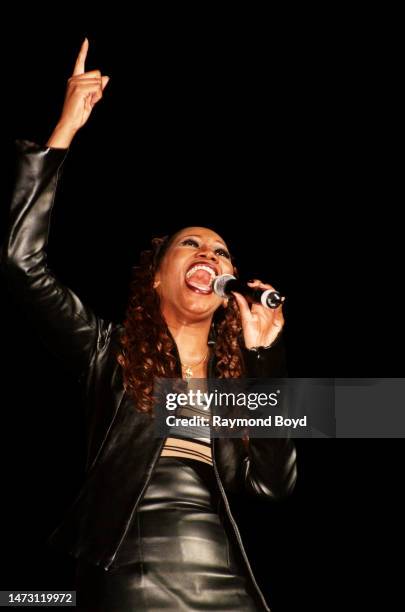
188, 372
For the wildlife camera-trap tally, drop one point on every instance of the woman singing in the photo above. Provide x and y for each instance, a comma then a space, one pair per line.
152, 528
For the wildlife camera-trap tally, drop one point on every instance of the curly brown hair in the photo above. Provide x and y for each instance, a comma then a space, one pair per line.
147, 349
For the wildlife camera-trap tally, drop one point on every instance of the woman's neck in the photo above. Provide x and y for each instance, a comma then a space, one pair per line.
191, 339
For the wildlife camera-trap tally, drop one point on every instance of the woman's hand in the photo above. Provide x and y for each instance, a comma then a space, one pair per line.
260, 325
84, 90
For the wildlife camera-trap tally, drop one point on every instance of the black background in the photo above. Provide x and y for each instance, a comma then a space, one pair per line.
275, 135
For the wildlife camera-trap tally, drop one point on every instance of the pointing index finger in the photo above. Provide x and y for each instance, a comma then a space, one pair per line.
81, 58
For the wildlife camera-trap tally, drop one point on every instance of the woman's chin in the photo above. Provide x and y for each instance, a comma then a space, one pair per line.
191, 305
200, 305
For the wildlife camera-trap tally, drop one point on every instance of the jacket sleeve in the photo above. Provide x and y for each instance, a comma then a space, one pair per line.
270, 469
67, 327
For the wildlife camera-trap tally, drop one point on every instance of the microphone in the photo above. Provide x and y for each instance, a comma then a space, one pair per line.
224, 284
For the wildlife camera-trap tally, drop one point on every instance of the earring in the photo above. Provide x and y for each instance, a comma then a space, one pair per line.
225, 303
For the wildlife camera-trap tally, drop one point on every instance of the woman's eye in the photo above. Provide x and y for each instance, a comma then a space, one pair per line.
195, 243
190, 241
223, 253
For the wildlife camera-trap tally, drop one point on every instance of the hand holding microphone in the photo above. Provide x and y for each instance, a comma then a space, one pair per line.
263, 322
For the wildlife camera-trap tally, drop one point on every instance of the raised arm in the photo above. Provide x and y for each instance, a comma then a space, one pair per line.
68, 328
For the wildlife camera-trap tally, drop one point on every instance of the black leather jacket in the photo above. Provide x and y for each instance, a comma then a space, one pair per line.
120, 440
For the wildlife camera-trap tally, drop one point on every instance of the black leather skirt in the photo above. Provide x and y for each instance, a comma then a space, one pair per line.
177, 554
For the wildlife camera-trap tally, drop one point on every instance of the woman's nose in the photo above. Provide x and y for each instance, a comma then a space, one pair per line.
208, 253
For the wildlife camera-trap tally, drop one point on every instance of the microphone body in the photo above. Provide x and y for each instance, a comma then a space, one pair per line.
224, 284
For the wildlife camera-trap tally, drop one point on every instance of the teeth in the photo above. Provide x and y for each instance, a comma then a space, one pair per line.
200, 267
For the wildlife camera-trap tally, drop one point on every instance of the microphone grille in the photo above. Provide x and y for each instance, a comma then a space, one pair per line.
219, 284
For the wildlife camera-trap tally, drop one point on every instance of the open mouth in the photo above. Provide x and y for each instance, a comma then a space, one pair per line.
199, 278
